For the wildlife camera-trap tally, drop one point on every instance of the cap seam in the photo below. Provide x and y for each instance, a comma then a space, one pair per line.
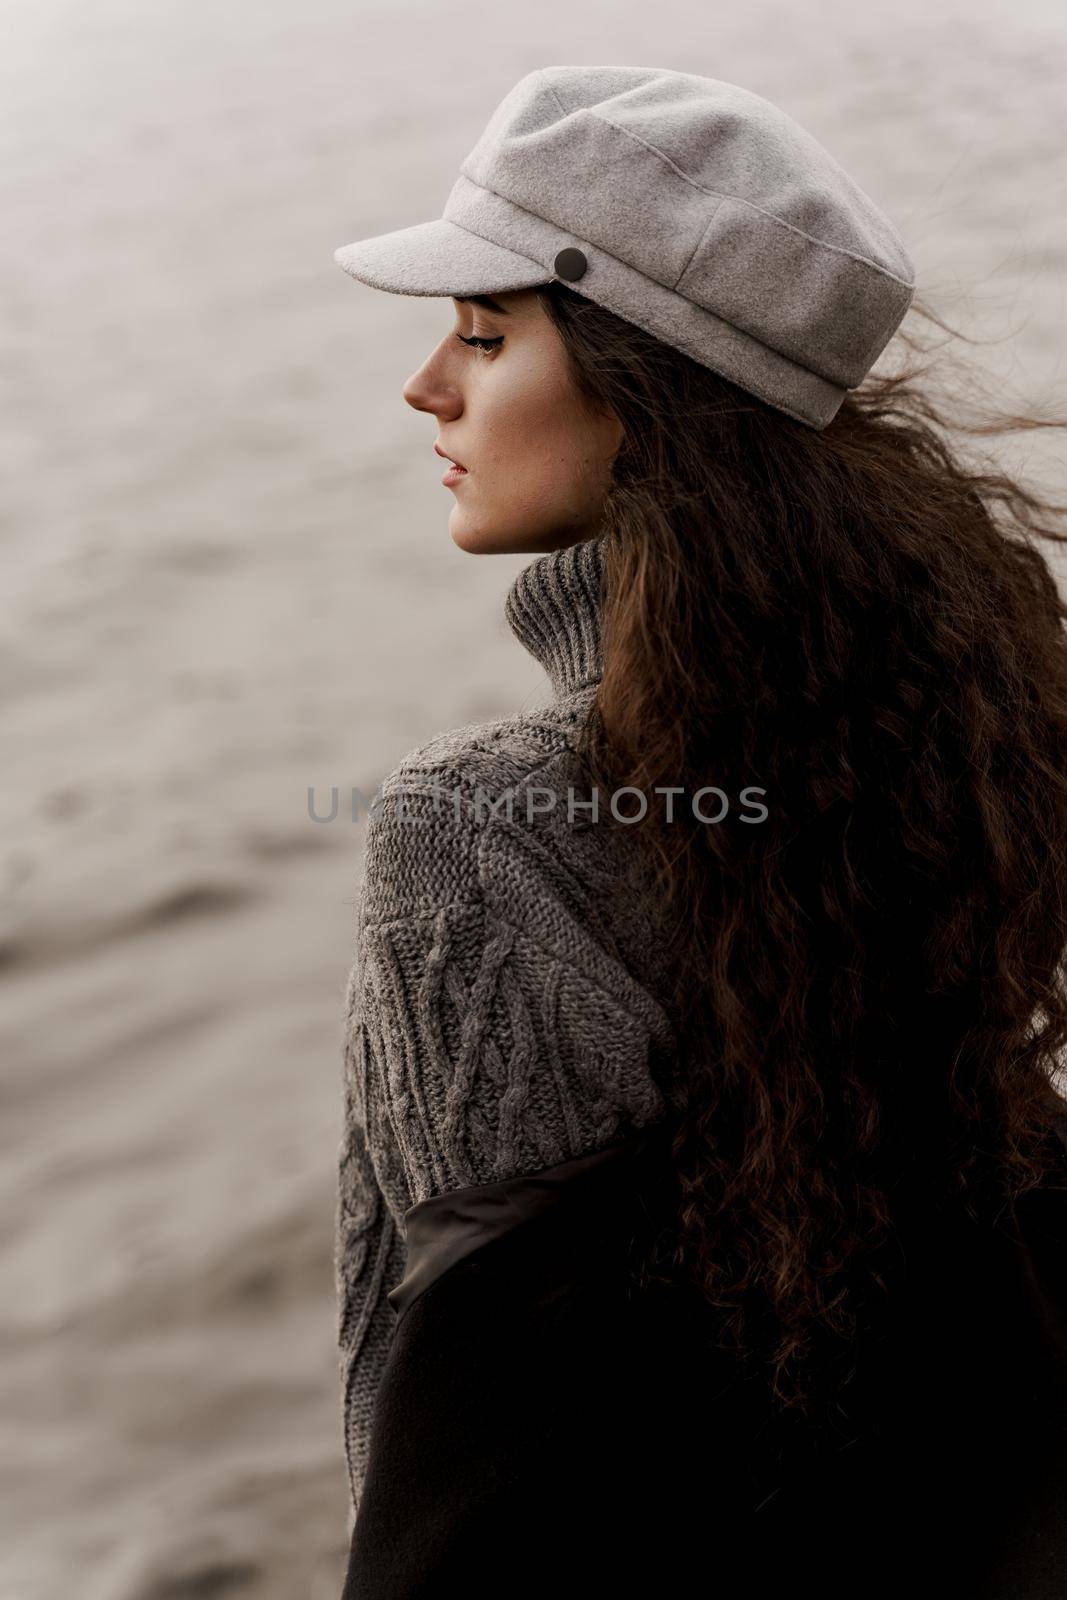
484, 237
692, 254
550, 86
714, 194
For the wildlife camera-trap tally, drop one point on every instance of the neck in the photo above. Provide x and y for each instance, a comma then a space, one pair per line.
553, 609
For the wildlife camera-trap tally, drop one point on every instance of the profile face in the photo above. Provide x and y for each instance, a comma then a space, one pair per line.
537, 459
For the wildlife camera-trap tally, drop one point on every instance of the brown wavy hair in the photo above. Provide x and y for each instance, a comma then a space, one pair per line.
868, 986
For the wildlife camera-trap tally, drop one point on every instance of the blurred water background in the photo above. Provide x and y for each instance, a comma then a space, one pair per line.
226, 578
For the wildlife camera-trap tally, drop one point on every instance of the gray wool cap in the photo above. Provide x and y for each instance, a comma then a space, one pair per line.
691, 207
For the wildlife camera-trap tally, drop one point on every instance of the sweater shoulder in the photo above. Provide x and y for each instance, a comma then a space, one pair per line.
498, 750
425, 831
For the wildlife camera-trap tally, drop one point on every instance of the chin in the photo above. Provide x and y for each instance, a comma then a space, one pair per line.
477, 542
489, 542
532, 541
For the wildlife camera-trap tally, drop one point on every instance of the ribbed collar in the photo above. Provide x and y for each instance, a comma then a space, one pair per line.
553, 609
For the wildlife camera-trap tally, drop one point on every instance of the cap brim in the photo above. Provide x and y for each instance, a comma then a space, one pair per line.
440, 258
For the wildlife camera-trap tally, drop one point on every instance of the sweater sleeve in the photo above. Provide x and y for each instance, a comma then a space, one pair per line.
368, 1246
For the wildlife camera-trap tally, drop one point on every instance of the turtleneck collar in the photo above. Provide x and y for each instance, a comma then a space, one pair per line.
553, 609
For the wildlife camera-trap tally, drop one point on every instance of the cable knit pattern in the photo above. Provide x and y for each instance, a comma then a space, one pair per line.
504, 1011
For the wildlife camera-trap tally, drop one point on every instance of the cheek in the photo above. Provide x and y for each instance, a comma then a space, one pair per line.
544, 433
545, 469
540, 447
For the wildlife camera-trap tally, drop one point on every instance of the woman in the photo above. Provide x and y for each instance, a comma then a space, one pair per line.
701, 1190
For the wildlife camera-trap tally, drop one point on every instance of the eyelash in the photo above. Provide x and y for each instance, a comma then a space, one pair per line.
483, 345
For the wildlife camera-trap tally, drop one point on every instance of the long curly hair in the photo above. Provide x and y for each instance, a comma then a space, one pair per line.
868, 985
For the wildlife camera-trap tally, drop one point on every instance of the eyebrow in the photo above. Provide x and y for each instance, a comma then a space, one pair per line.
481, 300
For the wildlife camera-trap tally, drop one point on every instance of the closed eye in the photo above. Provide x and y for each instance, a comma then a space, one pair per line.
481, 344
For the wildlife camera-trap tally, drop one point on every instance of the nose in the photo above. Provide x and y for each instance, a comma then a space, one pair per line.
428, 389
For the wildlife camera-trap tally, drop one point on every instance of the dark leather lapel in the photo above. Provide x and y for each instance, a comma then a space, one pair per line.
447, 1227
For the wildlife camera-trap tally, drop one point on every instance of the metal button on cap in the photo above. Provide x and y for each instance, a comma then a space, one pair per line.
570, 264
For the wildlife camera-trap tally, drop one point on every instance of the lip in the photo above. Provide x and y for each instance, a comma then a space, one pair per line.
453, 460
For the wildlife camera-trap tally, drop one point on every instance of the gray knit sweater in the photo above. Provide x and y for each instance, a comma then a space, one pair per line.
505, 1009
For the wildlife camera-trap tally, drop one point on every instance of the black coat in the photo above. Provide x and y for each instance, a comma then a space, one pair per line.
542, 1430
